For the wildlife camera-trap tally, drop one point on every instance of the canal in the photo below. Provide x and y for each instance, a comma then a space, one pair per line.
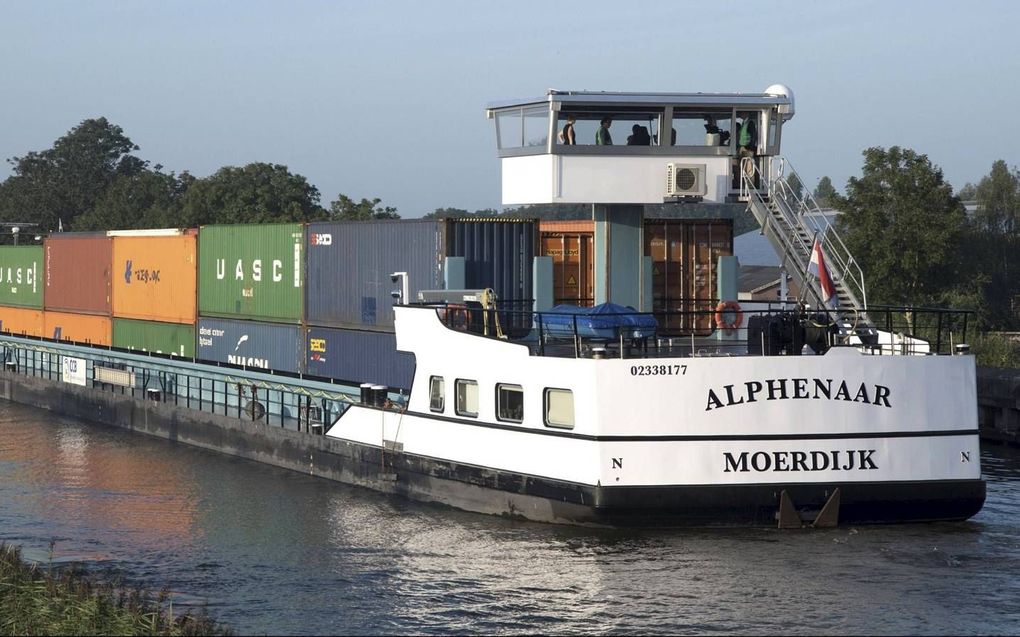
271, 551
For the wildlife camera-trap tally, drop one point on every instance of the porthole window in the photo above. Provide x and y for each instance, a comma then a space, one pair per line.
437, 394
509, 403
559, 408
467, 398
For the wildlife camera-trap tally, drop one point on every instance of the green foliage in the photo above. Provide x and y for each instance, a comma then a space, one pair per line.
825, 195
256, 193
343, 208
996, 350
148, 199
902, 222
998, 198
968, 192
67, 602
63, 182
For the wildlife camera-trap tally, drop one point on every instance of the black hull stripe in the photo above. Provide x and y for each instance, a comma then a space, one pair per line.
433, 479
698, 438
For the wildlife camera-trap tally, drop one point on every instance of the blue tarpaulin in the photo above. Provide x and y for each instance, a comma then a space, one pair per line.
605, 321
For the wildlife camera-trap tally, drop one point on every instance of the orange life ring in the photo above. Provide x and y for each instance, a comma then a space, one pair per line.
458, 316
738, 315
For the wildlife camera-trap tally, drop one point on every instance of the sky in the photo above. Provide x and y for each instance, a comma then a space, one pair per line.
387, 99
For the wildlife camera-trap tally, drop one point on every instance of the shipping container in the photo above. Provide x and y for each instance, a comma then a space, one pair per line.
684, 258
498, 254
177, 339
570, 245
252, 344
21, 276
349, 267
78, 328
155, 275
252, 272
358, 356
21, 321
77, 273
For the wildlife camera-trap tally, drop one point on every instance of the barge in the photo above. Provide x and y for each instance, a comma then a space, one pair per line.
640, 411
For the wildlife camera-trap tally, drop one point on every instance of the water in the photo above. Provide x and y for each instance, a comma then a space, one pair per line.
270, 551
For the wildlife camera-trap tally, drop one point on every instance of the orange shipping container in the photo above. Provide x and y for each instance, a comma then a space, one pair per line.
154, 275
21, 321
79, 328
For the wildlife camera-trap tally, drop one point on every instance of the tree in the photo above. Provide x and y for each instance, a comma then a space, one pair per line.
998, 198
904, 226
824, 193
256, 193
997, 243
968, 192
446, 213
59, 184
149, 199
343, 208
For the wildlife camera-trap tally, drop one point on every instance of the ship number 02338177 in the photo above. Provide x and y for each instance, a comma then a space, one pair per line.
658, 370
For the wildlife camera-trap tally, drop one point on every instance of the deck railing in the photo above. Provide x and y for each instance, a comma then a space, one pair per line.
711, 328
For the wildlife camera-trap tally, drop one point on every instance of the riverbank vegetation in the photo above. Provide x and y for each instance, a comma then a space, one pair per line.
38, 600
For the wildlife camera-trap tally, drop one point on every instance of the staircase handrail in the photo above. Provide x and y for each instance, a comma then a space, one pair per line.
804, 212
811, 213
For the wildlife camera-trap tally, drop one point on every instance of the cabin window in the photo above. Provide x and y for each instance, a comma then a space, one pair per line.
701, 127
467, 398
637, 128
536, 126
437, 394
559, 408
509, 129
509, 403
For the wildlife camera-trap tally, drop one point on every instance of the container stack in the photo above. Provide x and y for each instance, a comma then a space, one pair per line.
251, 295
154, 290
21, 290
78, 290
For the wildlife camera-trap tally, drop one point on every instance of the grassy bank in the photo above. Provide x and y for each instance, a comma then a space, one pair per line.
42, 601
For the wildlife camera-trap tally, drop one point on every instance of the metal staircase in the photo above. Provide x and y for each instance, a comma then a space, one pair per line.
791, 220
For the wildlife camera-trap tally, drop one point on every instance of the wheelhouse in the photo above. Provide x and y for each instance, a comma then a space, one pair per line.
648, 138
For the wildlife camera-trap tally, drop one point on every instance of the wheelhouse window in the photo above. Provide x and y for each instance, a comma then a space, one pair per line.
523, 128
559, 408
467, 398
437, 394
699, 127
638, 128
509, 403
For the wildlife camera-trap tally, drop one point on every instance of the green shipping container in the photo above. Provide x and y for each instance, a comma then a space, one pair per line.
252, 272
21, 276
149, 336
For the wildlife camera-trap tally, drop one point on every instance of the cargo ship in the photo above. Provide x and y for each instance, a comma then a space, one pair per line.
596, 372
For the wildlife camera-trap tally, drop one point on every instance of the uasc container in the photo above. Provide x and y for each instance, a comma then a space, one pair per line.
350, 263
21, 321
91, 329
177, 339
21, 273
155, 275
251, 272
77, 272
250, 344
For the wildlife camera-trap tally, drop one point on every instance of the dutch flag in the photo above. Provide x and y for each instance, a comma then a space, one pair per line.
817, 268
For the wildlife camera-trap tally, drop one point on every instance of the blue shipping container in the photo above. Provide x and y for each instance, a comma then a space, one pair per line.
498, 254
358, 356
349, 267
251, 344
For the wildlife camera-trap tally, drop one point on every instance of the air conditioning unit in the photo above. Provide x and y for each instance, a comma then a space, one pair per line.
685, 180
